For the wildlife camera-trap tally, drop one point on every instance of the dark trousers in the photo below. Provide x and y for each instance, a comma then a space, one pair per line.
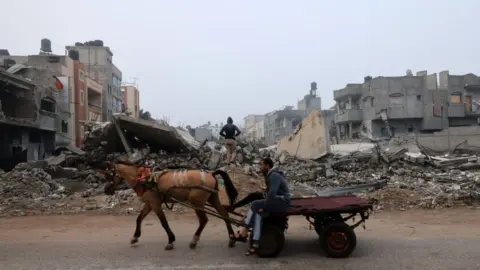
254, 196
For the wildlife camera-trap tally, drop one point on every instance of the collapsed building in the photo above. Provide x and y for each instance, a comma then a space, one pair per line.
27, 121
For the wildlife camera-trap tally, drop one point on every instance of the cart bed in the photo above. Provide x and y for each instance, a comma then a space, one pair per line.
319, 204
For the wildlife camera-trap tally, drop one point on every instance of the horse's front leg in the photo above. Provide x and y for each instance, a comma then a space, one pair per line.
157, 208
138, 228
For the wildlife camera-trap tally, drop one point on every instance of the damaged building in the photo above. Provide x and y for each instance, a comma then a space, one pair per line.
27, 121
382, 107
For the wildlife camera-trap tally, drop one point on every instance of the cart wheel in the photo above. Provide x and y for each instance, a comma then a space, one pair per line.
271, 243
338, 240
321, 221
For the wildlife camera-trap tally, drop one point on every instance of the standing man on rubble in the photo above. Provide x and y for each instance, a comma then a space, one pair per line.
229, 132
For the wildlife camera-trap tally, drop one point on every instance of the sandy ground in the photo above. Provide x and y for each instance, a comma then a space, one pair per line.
447, 239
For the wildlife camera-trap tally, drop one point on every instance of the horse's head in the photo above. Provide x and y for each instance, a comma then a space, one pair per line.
115, 173
112, 178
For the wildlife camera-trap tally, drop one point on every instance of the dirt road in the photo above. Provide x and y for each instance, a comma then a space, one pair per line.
402, 240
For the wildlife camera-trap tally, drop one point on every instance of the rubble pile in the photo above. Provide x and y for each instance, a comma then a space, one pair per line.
70, 182
443, 183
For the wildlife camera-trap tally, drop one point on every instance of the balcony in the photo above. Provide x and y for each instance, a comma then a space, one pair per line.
353, 90
353, 115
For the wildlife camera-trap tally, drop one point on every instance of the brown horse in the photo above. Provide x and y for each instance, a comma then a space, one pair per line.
196, 187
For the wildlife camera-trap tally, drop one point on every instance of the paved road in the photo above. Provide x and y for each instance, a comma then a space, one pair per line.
102, 243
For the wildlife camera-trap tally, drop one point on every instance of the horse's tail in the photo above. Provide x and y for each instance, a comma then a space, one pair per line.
229, 187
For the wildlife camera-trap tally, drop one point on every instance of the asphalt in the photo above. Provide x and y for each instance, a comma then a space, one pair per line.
96, 243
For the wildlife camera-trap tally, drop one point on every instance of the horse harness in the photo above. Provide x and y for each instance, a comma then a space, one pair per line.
146, 179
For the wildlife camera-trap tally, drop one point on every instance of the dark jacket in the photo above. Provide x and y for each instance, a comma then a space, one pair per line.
278, 193
230, 131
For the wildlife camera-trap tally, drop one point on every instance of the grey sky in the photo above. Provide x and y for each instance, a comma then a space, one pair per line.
206, 60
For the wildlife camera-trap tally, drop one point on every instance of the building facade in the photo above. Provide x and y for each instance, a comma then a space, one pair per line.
98, 60
280, 123
57, 71
251, 124
88, 107
27, 120
382, 107
131, 100
94, 100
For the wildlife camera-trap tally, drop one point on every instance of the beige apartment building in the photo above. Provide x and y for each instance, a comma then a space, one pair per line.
131, 100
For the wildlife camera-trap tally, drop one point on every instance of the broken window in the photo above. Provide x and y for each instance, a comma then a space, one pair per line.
410, 128
47, 105
64, 126
456, 98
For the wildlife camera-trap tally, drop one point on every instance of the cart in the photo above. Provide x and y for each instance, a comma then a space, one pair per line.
328, 216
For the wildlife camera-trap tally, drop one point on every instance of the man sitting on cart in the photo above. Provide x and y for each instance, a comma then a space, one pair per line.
277, 200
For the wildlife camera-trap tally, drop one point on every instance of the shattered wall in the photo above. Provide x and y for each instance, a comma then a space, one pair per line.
310, 141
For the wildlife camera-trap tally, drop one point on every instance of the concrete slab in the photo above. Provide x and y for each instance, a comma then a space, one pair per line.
349, 148
309, 141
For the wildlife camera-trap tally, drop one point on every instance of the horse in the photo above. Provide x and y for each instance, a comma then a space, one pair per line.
196, 187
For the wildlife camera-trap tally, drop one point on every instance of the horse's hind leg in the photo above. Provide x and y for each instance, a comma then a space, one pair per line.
138, 228
214, 200
202, 219
157, 208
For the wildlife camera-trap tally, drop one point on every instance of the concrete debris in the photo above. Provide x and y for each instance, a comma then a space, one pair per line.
70, 183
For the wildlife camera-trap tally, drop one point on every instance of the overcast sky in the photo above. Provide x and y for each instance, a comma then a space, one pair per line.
202, 60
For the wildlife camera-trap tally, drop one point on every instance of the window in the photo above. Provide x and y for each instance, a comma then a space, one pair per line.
456, 98
82, 97
82, 76
372, 102
82, 131
410, 128
47, 105
64, 127
419, 97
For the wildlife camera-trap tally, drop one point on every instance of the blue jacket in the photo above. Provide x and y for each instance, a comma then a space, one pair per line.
278, 193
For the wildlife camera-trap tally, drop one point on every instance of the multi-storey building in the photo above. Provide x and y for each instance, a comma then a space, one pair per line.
88, 107
385, 106
131, 100
98, 60
252, 122
40, 69
280, 123
28, 118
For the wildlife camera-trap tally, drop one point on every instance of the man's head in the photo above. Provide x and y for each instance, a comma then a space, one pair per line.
229, 120
266, 164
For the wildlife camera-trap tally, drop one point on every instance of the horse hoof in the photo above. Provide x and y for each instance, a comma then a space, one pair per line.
231, 243
133, 241
193, 245
169, 247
